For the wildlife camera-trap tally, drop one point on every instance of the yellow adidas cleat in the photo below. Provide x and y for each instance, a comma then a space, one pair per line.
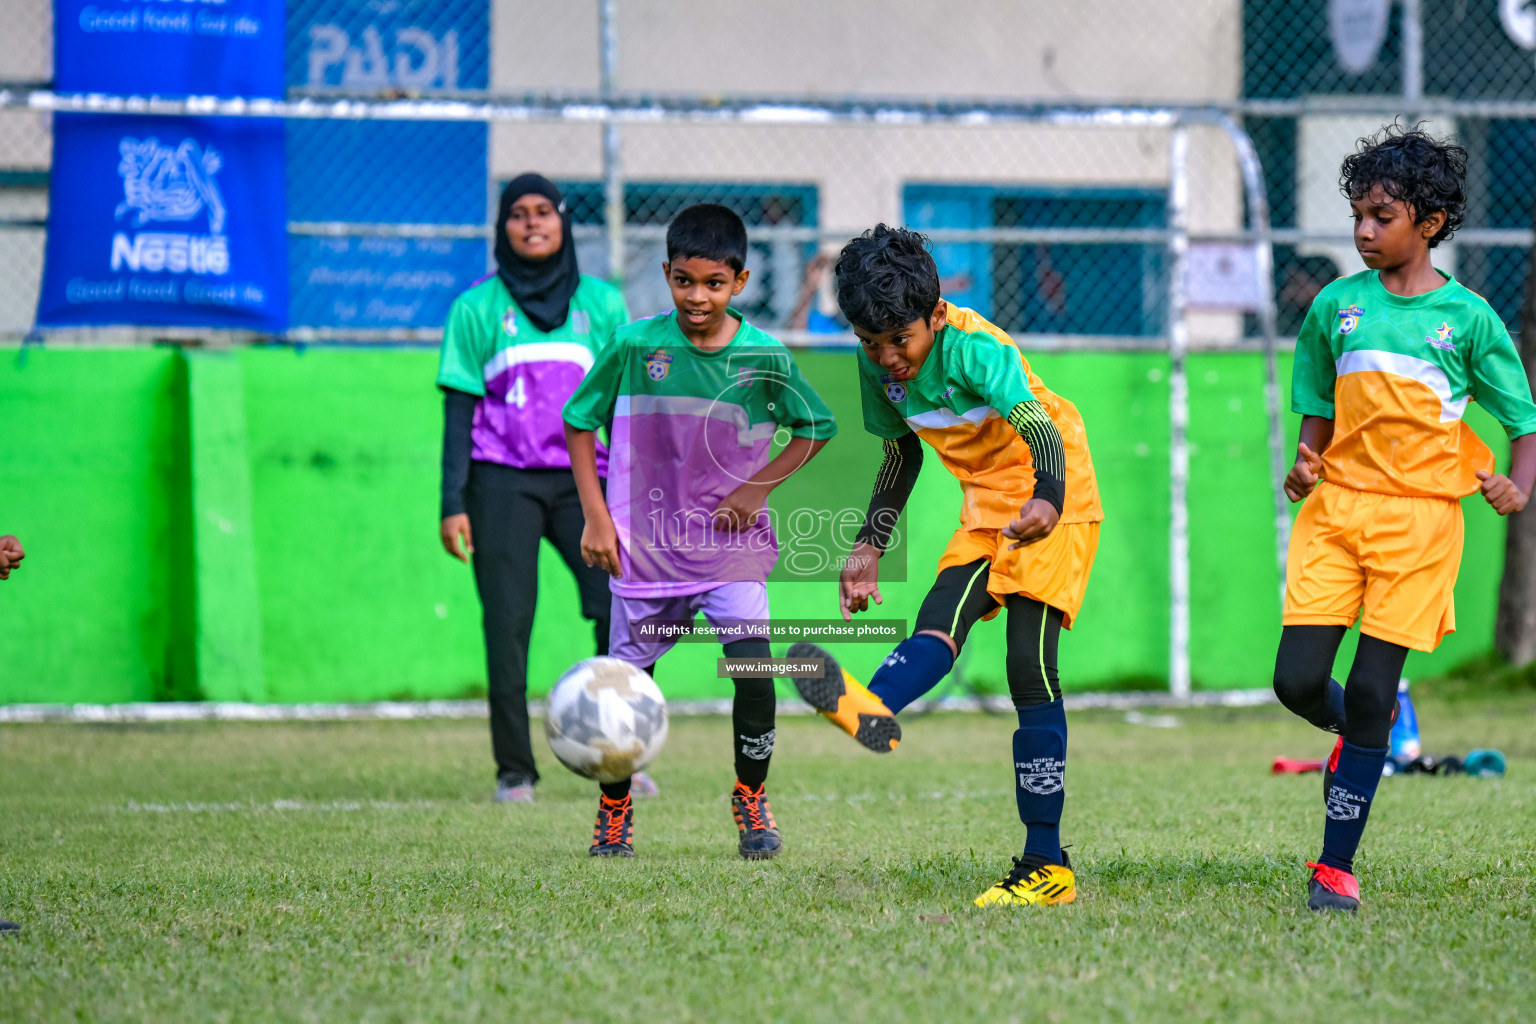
1033, 886
846, 702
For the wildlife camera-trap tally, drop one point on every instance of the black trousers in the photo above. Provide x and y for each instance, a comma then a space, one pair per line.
510, 510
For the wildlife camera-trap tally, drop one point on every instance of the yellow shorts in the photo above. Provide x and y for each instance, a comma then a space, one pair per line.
1396, 556
1053, 571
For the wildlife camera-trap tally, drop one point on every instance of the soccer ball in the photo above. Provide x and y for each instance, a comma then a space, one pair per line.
605, 719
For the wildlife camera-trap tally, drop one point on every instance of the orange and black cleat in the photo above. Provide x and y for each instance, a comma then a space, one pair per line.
1332, 889
760, 839
613, 834
846, 702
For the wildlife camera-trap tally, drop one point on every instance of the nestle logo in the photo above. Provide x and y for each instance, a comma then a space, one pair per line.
177, 253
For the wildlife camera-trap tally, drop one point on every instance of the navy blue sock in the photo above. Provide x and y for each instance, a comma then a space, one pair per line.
911, 670
1349, 803
1039, 772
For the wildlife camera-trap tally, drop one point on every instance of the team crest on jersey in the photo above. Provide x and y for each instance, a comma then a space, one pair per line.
744, 377
1441, 339
581, 321
657, 365
895, 390
509, 322
1349, 319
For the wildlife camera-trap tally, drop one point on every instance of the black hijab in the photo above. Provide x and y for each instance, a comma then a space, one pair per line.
541, 288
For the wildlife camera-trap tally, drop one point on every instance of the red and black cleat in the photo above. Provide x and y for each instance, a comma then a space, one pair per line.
1331, 889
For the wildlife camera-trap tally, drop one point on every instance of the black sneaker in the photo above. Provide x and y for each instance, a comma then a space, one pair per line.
1332, 890
760, 838
9, 926
613, 834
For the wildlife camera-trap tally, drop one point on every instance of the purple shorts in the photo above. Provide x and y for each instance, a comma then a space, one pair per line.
727, 603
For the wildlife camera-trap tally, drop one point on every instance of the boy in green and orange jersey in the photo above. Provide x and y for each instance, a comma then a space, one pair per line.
1386, 362
1029, 526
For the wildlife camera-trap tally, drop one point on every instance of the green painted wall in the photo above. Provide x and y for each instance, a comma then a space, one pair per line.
93, 480
123, 476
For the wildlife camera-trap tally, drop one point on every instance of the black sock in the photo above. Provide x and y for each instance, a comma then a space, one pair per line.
752, 716
1039, 771
1349, 804
1368, 701
615, 790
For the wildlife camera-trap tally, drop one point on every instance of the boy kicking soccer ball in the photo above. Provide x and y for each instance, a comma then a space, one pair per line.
692, 400
1029, 526
1386, 362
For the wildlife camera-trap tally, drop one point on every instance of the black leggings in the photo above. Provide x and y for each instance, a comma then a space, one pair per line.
959, 599
509, 511
1302, 671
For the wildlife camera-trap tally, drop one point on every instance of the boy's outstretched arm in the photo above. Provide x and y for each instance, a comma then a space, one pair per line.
1508, 494
860, 577
599, 540
741, 507
1316, 436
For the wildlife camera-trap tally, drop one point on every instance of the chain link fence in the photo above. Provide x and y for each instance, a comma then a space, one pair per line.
388, 218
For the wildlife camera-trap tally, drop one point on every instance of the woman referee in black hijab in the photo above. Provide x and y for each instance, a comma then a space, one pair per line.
515, 346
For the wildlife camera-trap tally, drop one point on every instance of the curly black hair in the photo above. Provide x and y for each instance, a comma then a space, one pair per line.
1416, 169
886, 279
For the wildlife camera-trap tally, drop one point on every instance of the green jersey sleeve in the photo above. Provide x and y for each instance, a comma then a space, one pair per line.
992, 370
1499, 381
461, 364
880, 417
591, 405
1313, 375
800, 408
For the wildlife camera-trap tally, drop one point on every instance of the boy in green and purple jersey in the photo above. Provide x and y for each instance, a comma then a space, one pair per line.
694, 401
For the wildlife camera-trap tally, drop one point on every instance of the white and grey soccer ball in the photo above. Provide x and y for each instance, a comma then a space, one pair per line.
606, 719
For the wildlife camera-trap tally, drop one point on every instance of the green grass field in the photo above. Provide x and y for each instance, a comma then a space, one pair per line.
360, 872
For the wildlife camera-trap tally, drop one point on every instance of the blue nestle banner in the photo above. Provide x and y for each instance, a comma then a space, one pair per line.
379, 172
167, 221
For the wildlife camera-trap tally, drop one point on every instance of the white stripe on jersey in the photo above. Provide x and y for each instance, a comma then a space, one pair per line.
540, 352
1421, 370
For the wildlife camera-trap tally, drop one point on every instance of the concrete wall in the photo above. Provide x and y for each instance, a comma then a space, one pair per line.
1000, 49
1005, 50
262, 525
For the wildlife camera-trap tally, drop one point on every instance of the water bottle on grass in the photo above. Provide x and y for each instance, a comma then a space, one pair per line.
1404, 742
